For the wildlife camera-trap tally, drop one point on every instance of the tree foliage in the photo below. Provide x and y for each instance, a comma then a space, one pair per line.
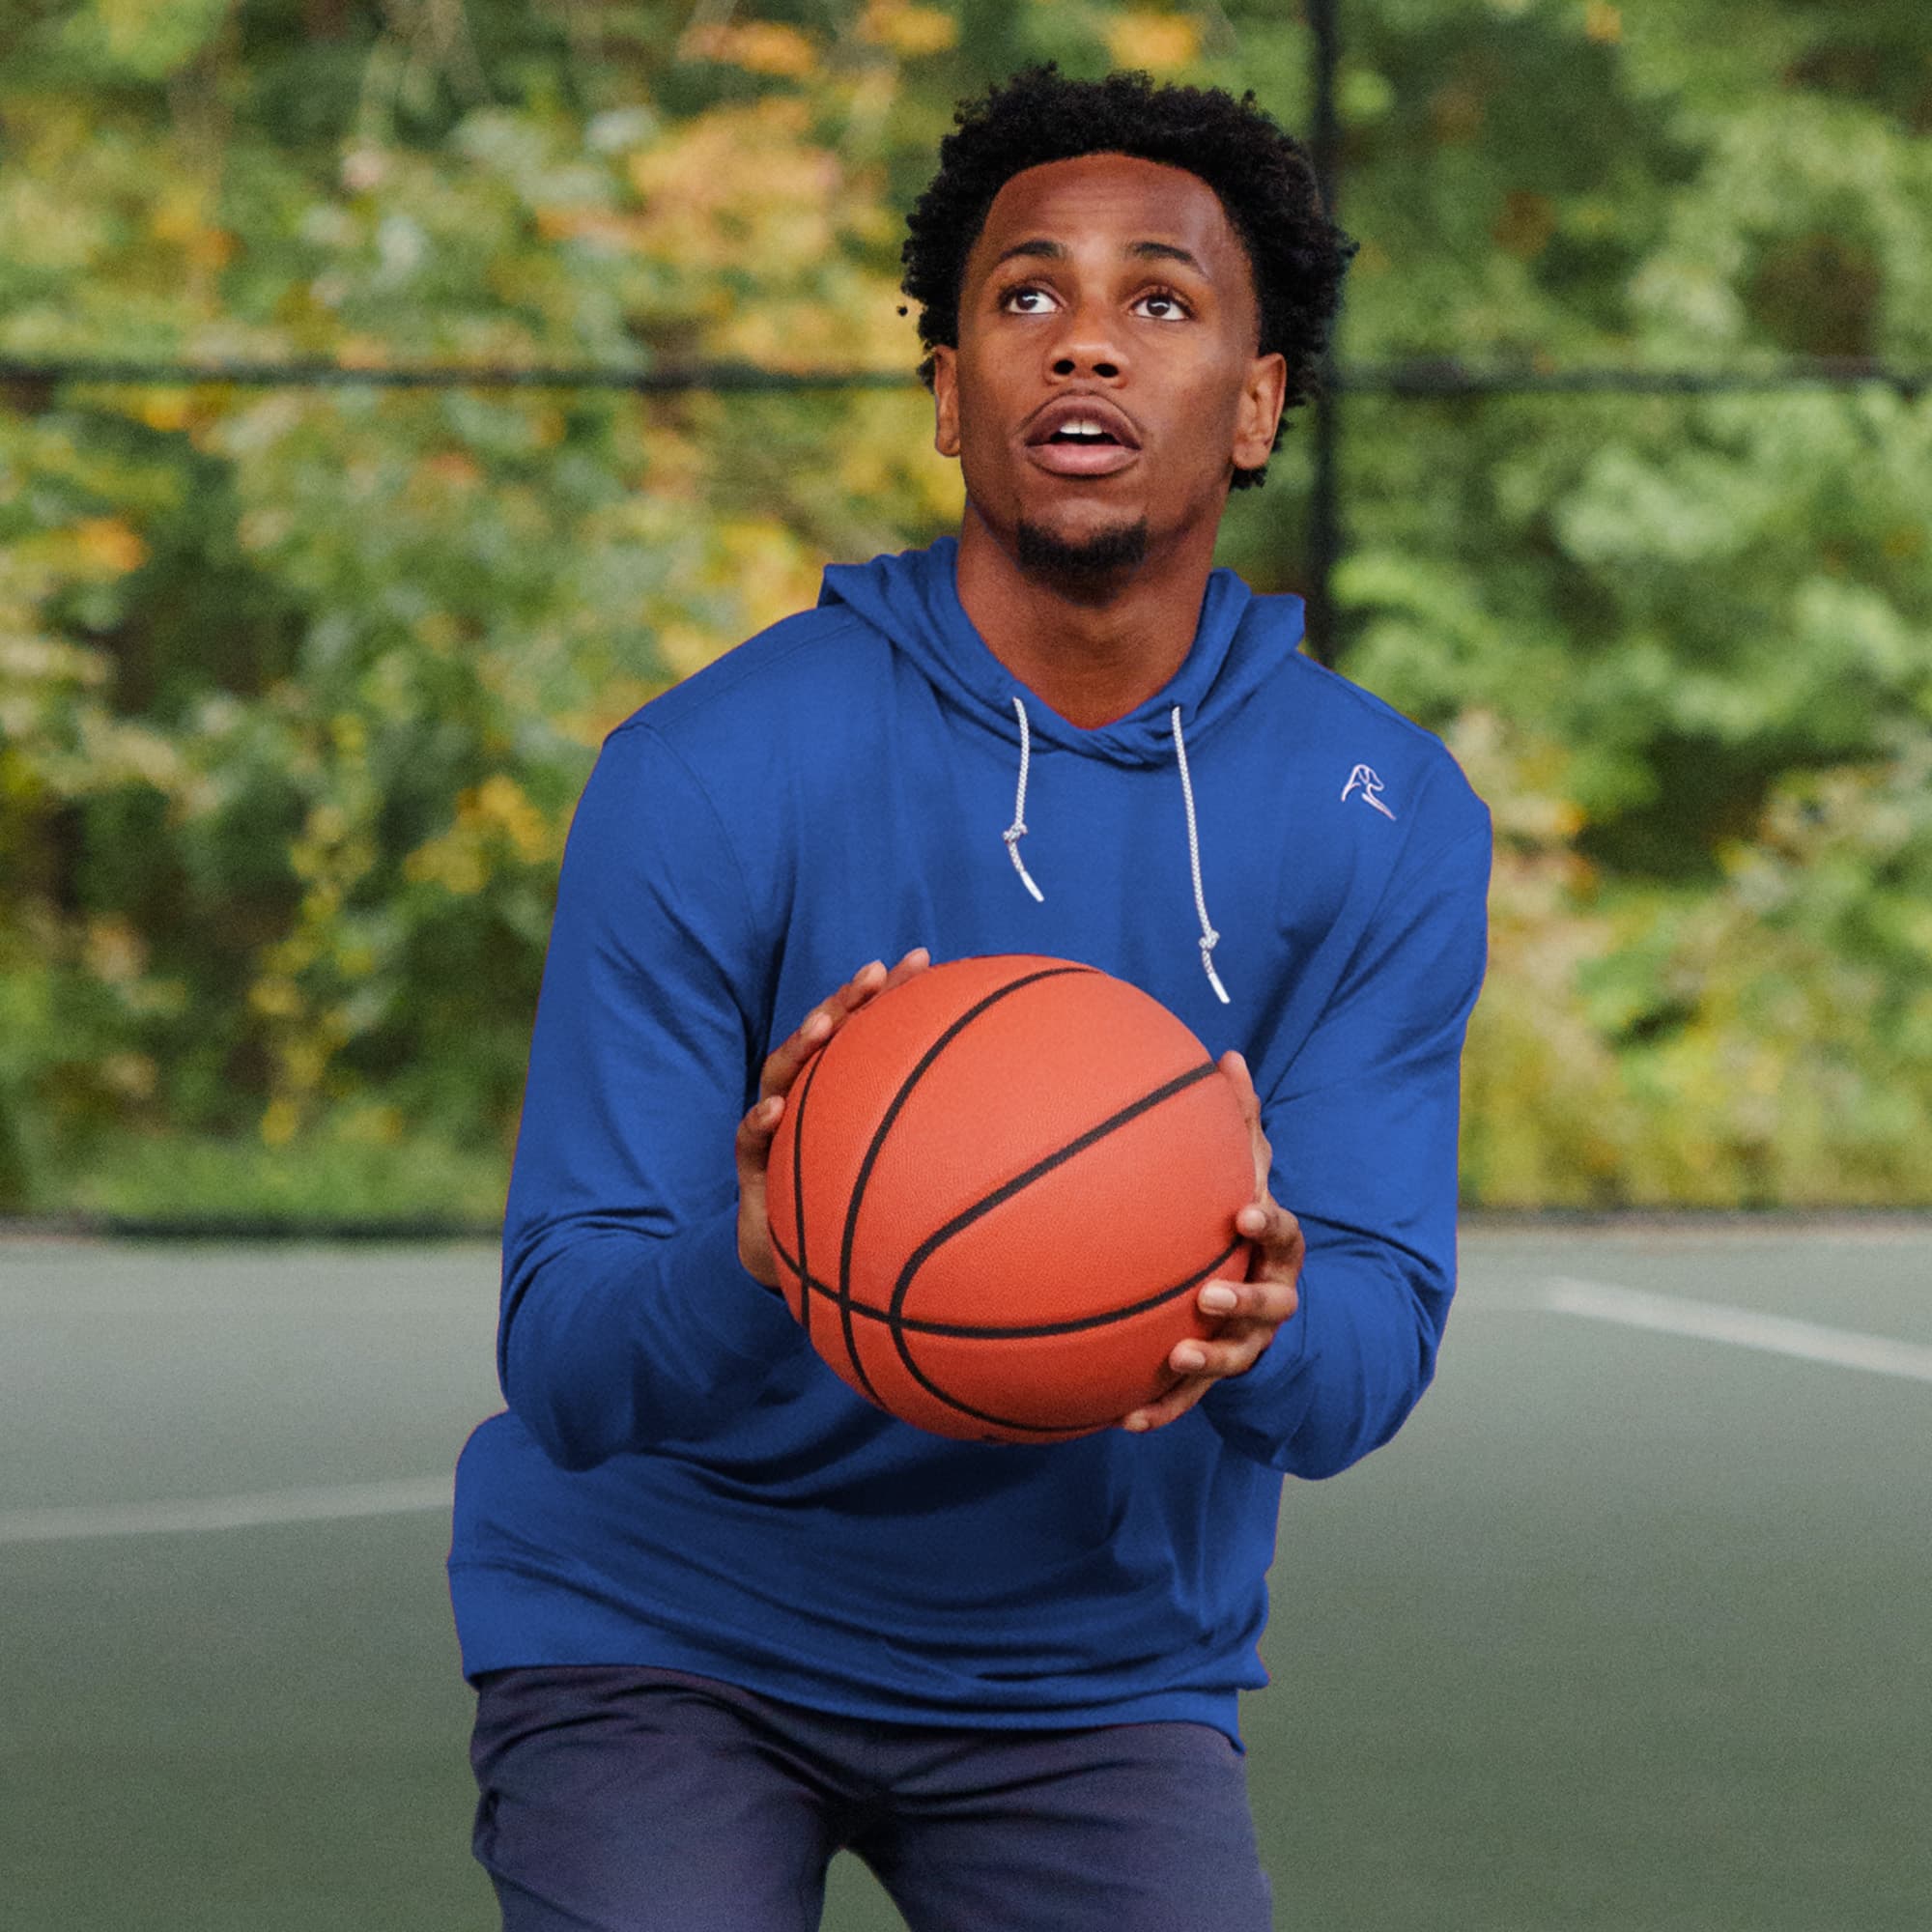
297, 687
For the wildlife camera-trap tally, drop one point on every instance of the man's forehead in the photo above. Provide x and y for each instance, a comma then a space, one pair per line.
1160, 210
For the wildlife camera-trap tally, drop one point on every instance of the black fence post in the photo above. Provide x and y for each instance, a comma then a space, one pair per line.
1324, 512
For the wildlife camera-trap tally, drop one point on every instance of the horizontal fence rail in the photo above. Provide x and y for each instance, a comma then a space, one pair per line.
1426, 377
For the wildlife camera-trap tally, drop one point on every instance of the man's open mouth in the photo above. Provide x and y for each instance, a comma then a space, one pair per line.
1082, 437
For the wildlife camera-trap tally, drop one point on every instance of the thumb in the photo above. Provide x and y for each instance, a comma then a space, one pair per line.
754, 1149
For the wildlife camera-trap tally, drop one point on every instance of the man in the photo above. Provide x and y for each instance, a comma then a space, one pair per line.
723, 1616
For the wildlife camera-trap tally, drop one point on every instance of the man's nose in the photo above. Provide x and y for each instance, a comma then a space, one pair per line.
1089, 345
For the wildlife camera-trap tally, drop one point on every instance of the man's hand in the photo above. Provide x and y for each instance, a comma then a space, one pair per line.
1251, 1310
781, 1069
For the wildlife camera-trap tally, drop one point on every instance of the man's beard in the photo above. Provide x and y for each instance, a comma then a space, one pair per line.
1090, 560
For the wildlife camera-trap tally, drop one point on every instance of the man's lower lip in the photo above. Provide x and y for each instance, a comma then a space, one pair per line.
1073, 459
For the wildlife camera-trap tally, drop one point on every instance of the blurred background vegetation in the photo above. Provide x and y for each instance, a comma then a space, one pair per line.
297, 685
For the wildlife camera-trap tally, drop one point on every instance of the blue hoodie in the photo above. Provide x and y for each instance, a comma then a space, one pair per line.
679, 1480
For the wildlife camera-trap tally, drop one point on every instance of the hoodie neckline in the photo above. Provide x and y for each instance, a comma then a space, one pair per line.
913, 598
1143, 734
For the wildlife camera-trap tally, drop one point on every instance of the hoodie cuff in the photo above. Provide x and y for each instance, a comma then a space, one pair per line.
1260, 1410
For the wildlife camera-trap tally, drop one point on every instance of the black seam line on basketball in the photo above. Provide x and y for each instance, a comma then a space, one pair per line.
986, 1205
972, 1331
798, 1189
884, 1127
808, 1288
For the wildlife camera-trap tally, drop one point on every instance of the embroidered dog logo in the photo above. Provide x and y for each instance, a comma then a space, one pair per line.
1363, 780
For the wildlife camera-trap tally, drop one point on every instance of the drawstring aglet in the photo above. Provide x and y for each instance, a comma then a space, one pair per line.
1016, 831
1206, 959
1012, 835
1209, 936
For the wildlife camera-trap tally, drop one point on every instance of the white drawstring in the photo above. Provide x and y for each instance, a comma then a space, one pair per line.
1209, 936
1016, 831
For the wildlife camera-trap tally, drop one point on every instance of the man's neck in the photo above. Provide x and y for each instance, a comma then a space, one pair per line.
1092, 653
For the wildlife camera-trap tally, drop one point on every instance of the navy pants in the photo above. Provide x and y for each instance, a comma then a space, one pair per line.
619, 1799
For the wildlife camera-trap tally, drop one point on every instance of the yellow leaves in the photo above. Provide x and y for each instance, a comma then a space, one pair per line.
834, 326
275, 997
759, 46
130, 1076
768, 568
168, 409
499, 805
1602, 23
615, 700
493, 819
743, 188
109, 546
908, 31
684, 648
1160, 42
114, 951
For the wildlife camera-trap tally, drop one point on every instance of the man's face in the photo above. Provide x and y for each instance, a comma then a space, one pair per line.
1111, 290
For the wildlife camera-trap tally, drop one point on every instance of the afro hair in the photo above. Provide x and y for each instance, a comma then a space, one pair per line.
1263, 174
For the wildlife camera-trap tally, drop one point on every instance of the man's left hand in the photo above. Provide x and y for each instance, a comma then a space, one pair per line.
1249, 1311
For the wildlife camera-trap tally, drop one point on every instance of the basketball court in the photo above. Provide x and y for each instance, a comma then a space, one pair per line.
1630, 1627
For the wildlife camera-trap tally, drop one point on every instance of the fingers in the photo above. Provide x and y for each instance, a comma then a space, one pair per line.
1236, 1068
1280, 1245
1265, 1301
785, 1061
1199, 1365
782, 1067
915, 961
754, 1148
755, 1131
1171, 1407
1247, 1314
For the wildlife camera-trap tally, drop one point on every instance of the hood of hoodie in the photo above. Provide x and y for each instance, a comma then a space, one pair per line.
913, 598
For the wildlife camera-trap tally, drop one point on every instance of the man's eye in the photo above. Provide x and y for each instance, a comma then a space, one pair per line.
1173, 304
1012, 296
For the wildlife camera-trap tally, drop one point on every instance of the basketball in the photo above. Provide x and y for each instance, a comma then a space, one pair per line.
996, 1191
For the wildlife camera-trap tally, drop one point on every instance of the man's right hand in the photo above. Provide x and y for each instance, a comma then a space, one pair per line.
781, 1069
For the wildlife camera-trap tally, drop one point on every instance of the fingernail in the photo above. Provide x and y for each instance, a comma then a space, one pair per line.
1218, 1300
1253, 1220
770, 1110
817, 1024
1135, 1425
1189, 1359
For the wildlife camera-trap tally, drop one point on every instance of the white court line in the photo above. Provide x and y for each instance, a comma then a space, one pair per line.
1596, 1301
401, 1497
1742, 1328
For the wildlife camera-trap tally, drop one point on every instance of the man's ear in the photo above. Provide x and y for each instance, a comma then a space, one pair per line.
945, 399
1260, 410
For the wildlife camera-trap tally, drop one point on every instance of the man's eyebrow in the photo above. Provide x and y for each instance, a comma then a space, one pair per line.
1054, 251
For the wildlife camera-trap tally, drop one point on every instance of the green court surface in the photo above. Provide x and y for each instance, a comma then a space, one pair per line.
1629, 1631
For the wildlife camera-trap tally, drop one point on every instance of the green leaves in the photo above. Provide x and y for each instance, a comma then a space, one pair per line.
297, 688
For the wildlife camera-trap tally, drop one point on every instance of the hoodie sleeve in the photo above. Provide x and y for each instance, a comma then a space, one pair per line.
627, 1317
1363, 1127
